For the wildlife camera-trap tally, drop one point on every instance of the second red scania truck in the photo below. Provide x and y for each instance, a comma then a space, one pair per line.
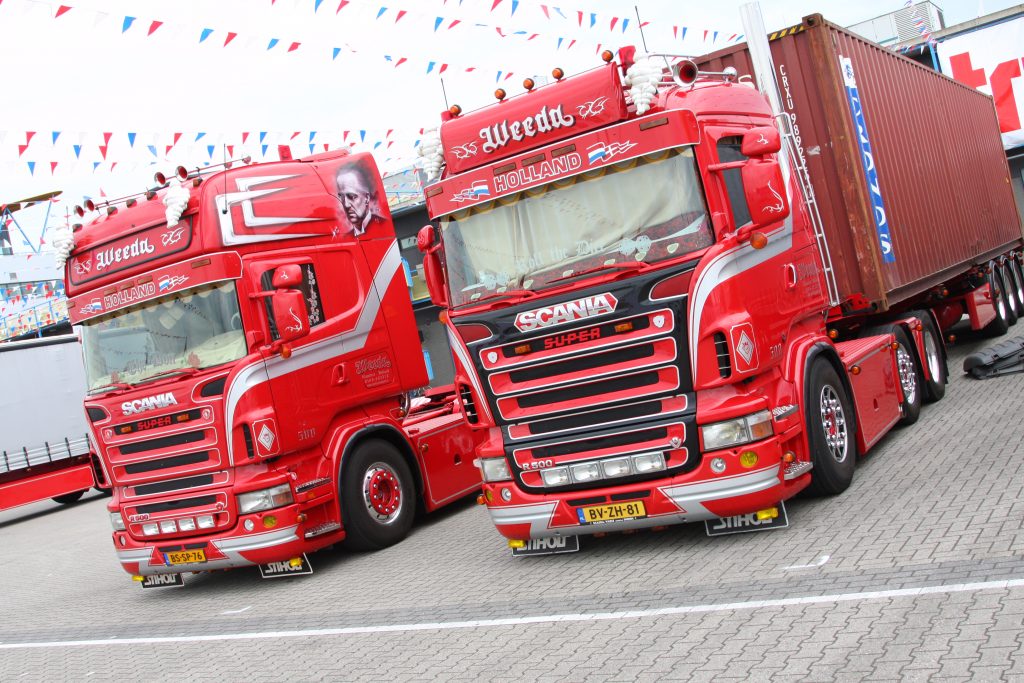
674, 298
249, 343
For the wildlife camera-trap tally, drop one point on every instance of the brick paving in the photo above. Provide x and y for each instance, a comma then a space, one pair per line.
935, 505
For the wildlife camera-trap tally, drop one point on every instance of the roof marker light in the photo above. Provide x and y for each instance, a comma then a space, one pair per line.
528, 84
79, 211
160, 178
131, 202
90, 205
455, 110
111, 210
558, 73
500, 94
607, 56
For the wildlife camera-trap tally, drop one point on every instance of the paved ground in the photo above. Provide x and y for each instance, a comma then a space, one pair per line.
916, 573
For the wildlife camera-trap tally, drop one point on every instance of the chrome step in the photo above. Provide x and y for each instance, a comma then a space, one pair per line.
324, 528
795, 469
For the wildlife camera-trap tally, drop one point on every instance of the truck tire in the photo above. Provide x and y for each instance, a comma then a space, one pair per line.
378, 499
934, 358
1010, 287
830, 431
1017, 288
68, 498
1001, 324
910, 376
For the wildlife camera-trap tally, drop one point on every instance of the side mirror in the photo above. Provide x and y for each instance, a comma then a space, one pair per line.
764, 191
290, 314
433, 273
286, 277
760, 141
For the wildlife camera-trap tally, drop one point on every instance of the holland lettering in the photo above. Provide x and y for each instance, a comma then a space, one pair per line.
533, 174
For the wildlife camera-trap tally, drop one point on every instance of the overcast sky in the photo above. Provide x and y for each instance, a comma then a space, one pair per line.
84, 74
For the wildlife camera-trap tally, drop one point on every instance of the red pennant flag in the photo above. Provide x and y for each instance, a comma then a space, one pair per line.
399, 62
545, 9
615, 20
168, 150
401, 13
29, 134
705, 34
344, 136
390, 131
533, 36
598, 50
231, 36
113, 166
154, 26
245, 136
498, 29
326, 147
53, 167
389, 144
293, 47
63, 9
103, 152
443, 68
341, 6
454, 24
508, 75
177, 136
675, 32
295, 134
231, 150
21, 149
570, 45
472, 68
496, 3
106, 138
580, 15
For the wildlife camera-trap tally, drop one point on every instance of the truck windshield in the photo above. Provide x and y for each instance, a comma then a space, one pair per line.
638, 211
194, 329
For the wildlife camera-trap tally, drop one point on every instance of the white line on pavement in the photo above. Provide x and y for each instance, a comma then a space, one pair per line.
237, 611
542, 619
821, 561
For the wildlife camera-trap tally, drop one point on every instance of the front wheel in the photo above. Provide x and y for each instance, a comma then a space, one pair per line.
68, 498
830, 431
378, 500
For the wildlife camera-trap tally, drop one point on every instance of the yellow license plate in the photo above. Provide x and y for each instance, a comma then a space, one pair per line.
595, 514
186, 557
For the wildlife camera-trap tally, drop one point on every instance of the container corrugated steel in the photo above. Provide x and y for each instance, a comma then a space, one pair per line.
942, 172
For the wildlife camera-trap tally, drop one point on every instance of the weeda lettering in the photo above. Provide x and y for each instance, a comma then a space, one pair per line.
567, 312
108, 257
544, 121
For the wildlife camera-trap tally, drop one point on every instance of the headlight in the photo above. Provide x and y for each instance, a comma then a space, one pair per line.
555, 476
264, 499
734, 432
150, 529
495, 469
117, 521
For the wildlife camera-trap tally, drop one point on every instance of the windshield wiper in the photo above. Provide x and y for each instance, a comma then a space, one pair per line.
521, 293
633, 265
164, 373
110, 385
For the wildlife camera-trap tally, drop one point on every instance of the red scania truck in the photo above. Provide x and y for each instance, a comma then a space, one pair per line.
674, 298
249, 345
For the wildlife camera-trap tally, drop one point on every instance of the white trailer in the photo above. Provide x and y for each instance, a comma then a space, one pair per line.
45, 450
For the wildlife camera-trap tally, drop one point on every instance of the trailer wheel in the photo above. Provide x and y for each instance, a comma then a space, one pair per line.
68, 498
934, 359
1010, 287
1017, 286
378, 500
1001, 324
910, 376
830, 432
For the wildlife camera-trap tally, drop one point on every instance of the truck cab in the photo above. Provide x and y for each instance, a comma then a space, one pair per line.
249, 350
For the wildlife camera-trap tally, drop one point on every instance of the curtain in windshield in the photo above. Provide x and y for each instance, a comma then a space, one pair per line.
644, 209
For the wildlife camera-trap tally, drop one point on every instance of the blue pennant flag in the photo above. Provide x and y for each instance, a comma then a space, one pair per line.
78, 150
131, 140
56, 134
205, 34
128, 21
336, 51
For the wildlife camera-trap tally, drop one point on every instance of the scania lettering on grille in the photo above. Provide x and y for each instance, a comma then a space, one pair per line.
566, 312
149, 403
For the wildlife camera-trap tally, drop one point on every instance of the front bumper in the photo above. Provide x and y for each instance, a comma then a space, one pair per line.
690, 497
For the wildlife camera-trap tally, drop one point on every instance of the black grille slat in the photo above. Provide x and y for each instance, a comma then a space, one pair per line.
596, 417
590, 390
162, 442
597, 360
174, 485
166, 506
167, 463
593, 444
247, 435
722, 354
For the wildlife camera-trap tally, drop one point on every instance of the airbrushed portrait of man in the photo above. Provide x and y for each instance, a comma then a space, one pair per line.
358, 195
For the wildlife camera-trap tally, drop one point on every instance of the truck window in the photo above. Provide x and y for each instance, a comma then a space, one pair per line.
729, 150
310, 291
